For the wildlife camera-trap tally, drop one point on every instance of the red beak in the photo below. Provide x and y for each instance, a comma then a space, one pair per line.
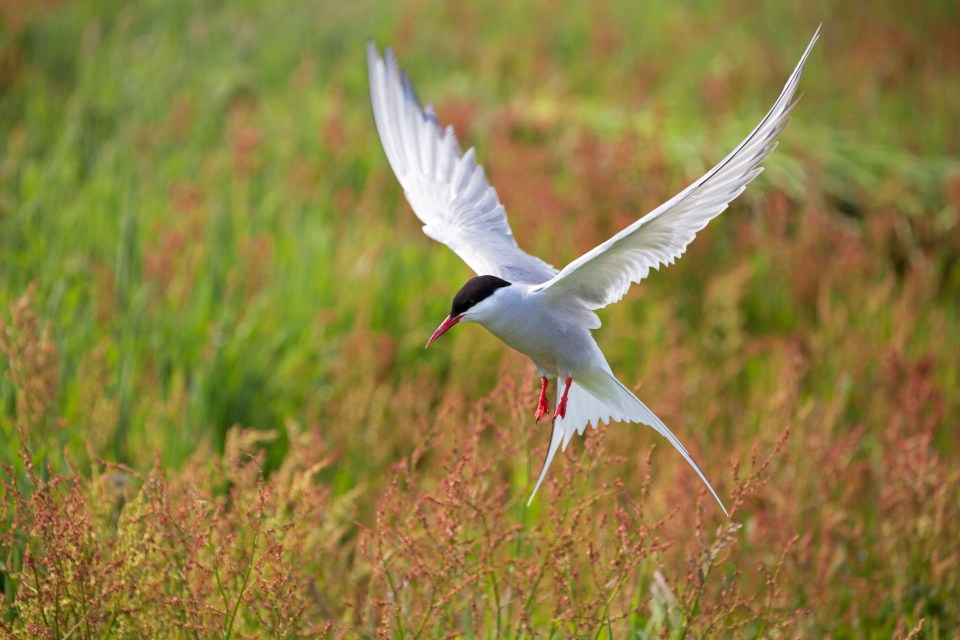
443, 328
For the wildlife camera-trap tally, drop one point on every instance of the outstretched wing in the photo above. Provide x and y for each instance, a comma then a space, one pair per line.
447, 189
603, 275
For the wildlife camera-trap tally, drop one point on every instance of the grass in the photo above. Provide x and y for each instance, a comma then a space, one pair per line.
216, 415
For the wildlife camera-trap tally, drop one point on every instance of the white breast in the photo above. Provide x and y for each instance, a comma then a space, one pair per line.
555, 336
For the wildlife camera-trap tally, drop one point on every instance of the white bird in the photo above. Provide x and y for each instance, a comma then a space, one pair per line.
542, 313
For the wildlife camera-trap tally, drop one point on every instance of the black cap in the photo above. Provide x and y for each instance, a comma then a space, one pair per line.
476, 290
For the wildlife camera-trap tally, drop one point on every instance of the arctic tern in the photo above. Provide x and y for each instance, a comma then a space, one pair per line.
542, 313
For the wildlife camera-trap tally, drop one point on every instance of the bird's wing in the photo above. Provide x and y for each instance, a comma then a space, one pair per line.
603, 275
447, 189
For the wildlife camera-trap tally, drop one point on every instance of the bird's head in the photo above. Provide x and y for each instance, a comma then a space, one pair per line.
473, 303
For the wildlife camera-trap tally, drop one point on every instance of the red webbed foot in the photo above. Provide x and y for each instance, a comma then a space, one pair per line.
543, 406
562, 405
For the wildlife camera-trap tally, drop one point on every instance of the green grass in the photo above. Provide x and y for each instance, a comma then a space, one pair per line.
216, 242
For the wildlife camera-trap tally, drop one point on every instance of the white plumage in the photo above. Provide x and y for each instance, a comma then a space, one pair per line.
545, 314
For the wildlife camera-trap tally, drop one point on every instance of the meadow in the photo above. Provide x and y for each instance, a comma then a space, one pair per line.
217, 418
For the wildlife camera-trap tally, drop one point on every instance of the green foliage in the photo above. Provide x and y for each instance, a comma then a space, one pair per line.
216, 415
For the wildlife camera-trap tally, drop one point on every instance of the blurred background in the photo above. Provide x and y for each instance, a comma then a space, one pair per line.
210, 282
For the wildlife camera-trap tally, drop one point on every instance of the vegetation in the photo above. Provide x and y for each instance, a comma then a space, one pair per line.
217, 418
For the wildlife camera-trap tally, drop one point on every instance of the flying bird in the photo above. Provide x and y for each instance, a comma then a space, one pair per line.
545, 314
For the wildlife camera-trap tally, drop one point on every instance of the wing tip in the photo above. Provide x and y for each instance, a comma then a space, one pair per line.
806, 52
373, 57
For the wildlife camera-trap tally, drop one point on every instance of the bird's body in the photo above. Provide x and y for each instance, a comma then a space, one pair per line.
553, 335
545, 314
556, 336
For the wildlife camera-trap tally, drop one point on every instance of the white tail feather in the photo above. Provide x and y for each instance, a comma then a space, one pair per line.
603, 398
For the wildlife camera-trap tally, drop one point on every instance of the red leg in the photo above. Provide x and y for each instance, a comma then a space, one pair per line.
543, 405
562, 405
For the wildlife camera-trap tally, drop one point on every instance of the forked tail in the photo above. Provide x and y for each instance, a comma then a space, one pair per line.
602, 398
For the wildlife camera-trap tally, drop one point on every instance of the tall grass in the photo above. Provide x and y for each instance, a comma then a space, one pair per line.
216, 415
